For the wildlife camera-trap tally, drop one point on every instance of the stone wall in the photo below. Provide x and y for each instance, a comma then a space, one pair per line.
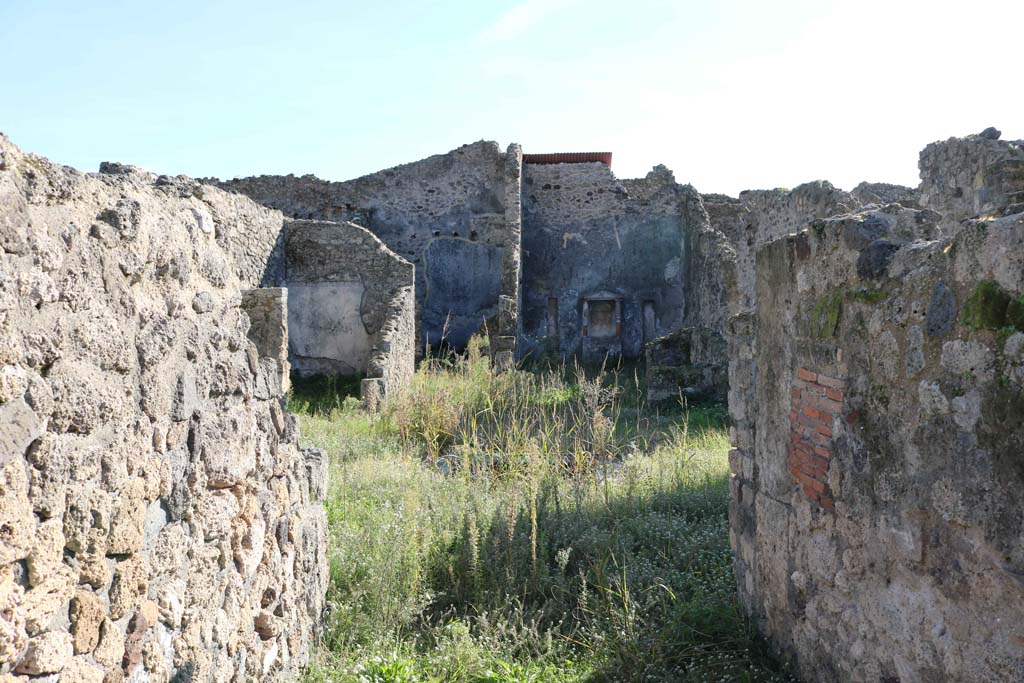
348, 311
392, 363
157, 519
972, 176
588, 237
886, 193
759, 216
686, 364
267, 308
249, 235
455, 216
877, 394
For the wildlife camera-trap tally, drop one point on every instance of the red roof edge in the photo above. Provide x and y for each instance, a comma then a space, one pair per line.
569, 158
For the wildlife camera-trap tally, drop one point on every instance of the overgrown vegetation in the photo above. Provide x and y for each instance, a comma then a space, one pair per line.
527, 526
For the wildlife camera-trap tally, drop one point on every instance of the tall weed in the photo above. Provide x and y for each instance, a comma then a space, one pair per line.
529, 526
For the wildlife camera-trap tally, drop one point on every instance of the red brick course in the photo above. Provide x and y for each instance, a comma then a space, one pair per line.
816, 399
806, 375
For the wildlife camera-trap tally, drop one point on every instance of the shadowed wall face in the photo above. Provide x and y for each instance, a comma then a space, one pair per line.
587, 240
465, 218
454, 216
876, 393
462, 282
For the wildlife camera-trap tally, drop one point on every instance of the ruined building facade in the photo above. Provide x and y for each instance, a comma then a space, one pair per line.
455, 217
877, 398
609, 265
159, 521
551, 255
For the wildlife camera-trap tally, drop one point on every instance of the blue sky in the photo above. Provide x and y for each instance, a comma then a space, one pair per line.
731, 94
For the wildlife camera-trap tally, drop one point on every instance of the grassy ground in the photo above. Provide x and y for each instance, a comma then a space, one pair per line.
527, 526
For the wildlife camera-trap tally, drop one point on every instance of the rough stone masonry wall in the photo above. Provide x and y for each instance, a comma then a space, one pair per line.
759, 216
455, 216
877, 393
351, 307
392, 363
586, 232
686, 363
157, 520
756, 218
977, 175
691, 359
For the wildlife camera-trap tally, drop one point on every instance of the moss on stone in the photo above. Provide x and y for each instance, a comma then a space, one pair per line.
867, 296
986, 308
826, 315
1015, 314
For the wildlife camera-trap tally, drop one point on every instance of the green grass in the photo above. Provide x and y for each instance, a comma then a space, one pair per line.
527, 526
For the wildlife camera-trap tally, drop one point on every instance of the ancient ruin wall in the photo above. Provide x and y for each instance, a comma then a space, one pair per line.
455, 216
688, 363
972, 176
691, 361
886, 193
392, 363
587, 234
877, 393
348, 308
759, 216
157, 519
